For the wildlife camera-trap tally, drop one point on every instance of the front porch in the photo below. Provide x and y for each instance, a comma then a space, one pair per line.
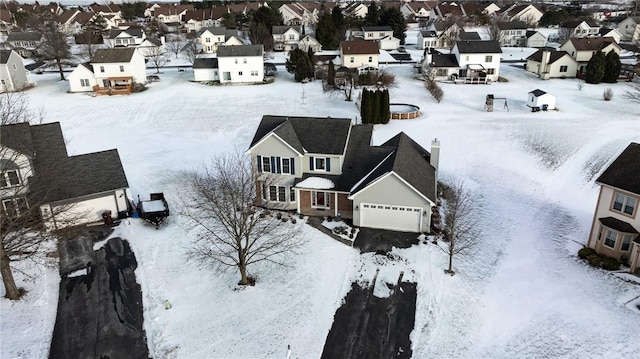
115, 86
473, 75
325, 204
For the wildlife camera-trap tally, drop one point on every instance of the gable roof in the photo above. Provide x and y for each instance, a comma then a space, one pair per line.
478, 47
591, 43
377, 28
214, 30
103, 56
469, 35
17, 137
575, 23
277, 30
24, 36
240, 50
554, 56
537, 92
439, 59
4, 56
511, 25
132, 31
624, 171
359, 47
205, 63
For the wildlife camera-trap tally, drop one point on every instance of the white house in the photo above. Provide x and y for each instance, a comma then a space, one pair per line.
24, 43
549, 63
630, 28
524, 12
616, 220
579, 28
612, 33
13, 75
328, 167
416, 10
535, 39
286, 38
39, 175
211, 38
512, 33
111, 71
359, 53
354, 9
478, 59
241, 64
82, 78
126, 38
538, 99
205, 69
309, 41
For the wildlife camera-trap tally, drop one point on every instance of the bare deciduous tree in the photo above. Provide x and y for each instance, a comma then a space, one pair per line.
232, 231
54, 45
190, 50
564, 34
175, 44
156, 56
633, 93
461, 223
343, 85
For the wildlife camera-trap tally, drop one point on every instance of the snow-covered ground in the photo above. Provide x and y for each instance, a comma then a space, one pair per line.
522, 293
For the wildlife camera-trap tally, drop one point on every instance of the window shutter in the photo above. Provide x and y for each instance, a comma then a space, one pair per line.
292, 166
259, 163
311, 163
328, 165
278, 164
273, 164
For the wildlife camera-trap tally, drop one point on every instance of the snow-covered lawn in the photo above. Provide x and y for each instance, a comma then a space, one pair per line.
522, 294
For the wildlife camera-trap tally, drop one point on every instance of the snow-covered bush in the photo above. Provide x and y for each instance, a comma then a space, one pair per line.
607, 94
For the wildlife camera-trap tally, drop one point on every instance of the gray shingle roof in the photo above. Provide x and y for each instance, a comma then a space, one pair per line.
618, 225
377, 28
24, 36
554, 56
214, 30
624, 171
537, 92
479, 47
240, 50
278, 30
4, 56
438, 59
469, 35
103, 56
17, 137
134, 32
205, 63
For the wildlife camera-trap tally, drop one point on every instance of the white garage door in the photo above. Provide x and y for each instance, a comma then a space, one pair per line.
406, 219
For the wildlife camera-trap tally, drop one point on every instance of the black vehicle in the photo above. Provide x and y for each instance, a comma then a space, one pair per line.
155, 210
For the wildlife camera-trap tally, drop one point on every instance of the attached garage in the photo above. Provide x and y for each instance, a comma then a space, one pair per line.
398, 218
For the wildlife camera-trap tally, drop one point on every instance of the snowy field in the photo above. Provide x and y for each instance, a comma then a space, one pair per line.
522, 294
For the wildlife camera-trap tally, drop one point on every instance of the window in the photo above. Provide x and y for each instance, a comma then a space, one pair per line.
207, 39
491, 71
273, 192
266, 164
624, 204
610, 239
254, 73
226, 76
319, 199
121, 68
101, 68
626, 242
351, 60
236, 60
370, 58
563, 68
319, 163
15, 67
466, 58
15, 206
10, 178
239, 73
292, 194
244, 61
282, 194
441, 72
488, 58
84, 82
286, 166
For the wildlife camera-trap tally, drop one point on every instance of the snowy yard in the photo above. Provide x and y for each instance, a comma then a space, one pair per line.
523, 293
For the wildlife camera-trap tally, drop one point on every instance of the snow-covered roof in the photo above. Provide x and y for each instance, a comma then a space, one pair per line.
316, 183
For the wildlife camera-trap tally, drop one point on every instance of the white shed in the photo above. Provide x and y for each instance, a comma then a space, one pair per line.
540, 100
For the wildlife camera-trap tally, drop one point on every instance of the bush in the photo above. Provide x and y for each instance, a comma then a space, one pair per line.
435, 90
607, 94
585, 252
595, 260
610, 263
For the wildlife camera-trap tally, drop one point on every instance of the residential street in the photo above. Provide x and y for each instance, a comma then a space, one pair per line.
100, 312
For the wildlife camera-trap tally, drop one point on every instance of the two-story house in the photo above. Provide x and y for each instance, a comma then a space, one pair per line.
512, 33
195, 20
38, 177
131, 37
383, 35
579, 28
616, 221
110, 71
630, 28
13, 75
438, 35
24, 43
526, 13
582, 49
359, 54
211, 38
417, 10
473, 62
241, 64
550, 63
286, 38
329, 167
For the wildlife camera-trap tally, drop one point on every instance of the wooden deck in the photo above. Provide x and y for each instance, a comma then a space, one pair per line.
115, 90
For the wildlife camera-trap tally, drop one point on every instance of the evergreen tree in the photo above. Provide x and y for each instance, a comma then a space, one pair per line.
339, 21
393, 17
299, 65
331, 74
595, 68
326, 32
385, 112
373, 15
612, 67
375, 107
366, 106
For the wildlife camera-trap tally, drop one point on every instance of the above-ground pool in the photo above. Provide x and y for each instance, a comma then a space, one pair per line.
403, 111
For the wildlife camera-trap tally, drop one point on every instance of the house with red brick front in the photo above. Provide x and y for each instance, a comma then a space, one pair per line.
329, 167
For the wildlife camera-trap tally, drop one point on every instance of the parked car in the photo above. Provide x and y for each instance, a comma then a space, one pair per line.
153, 78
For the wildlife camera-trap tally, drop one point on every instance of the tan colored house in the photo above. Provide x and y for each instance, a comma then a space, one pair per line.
359, 53
328, 167
616, 221
550, 63
583, 48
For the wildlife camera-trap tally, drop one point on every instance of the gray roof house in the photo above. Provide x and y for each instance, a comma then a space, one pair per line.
241, 64
615, 230
329, 167
478, 62
13, 75
24, 43
54, 184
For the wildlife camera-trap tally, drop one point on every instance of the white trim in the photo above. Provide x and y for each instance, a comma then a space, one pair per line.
279, 138
401, 179
368, 174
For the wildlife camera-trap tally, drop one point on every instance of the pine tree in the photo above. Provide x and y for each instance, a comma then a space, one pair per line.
595, 68
394, 18
331, 74
326, 32
385, 112
338, 21
366, 106
375, 107
612, 67
299, 65
373, 15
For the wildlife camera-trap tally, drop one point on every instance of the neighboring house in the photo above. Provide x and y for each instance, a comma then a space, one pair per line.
300, 13
168, 13
111, 71
535, 39
286, 38
613, 33
206, 69
211, 38
479, 8
130, 37
7, 22
616, 221
195, 20
24, 43
241, 64
417, 10
579, 28
630, 28
439, 35
354, 9
551, 63
309, 42
475, 62
538, 99
443, 11
383, 35
151, 47
583, 48
39, 176
512, 33
359, 54
328, 167
525, 12
13, 75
